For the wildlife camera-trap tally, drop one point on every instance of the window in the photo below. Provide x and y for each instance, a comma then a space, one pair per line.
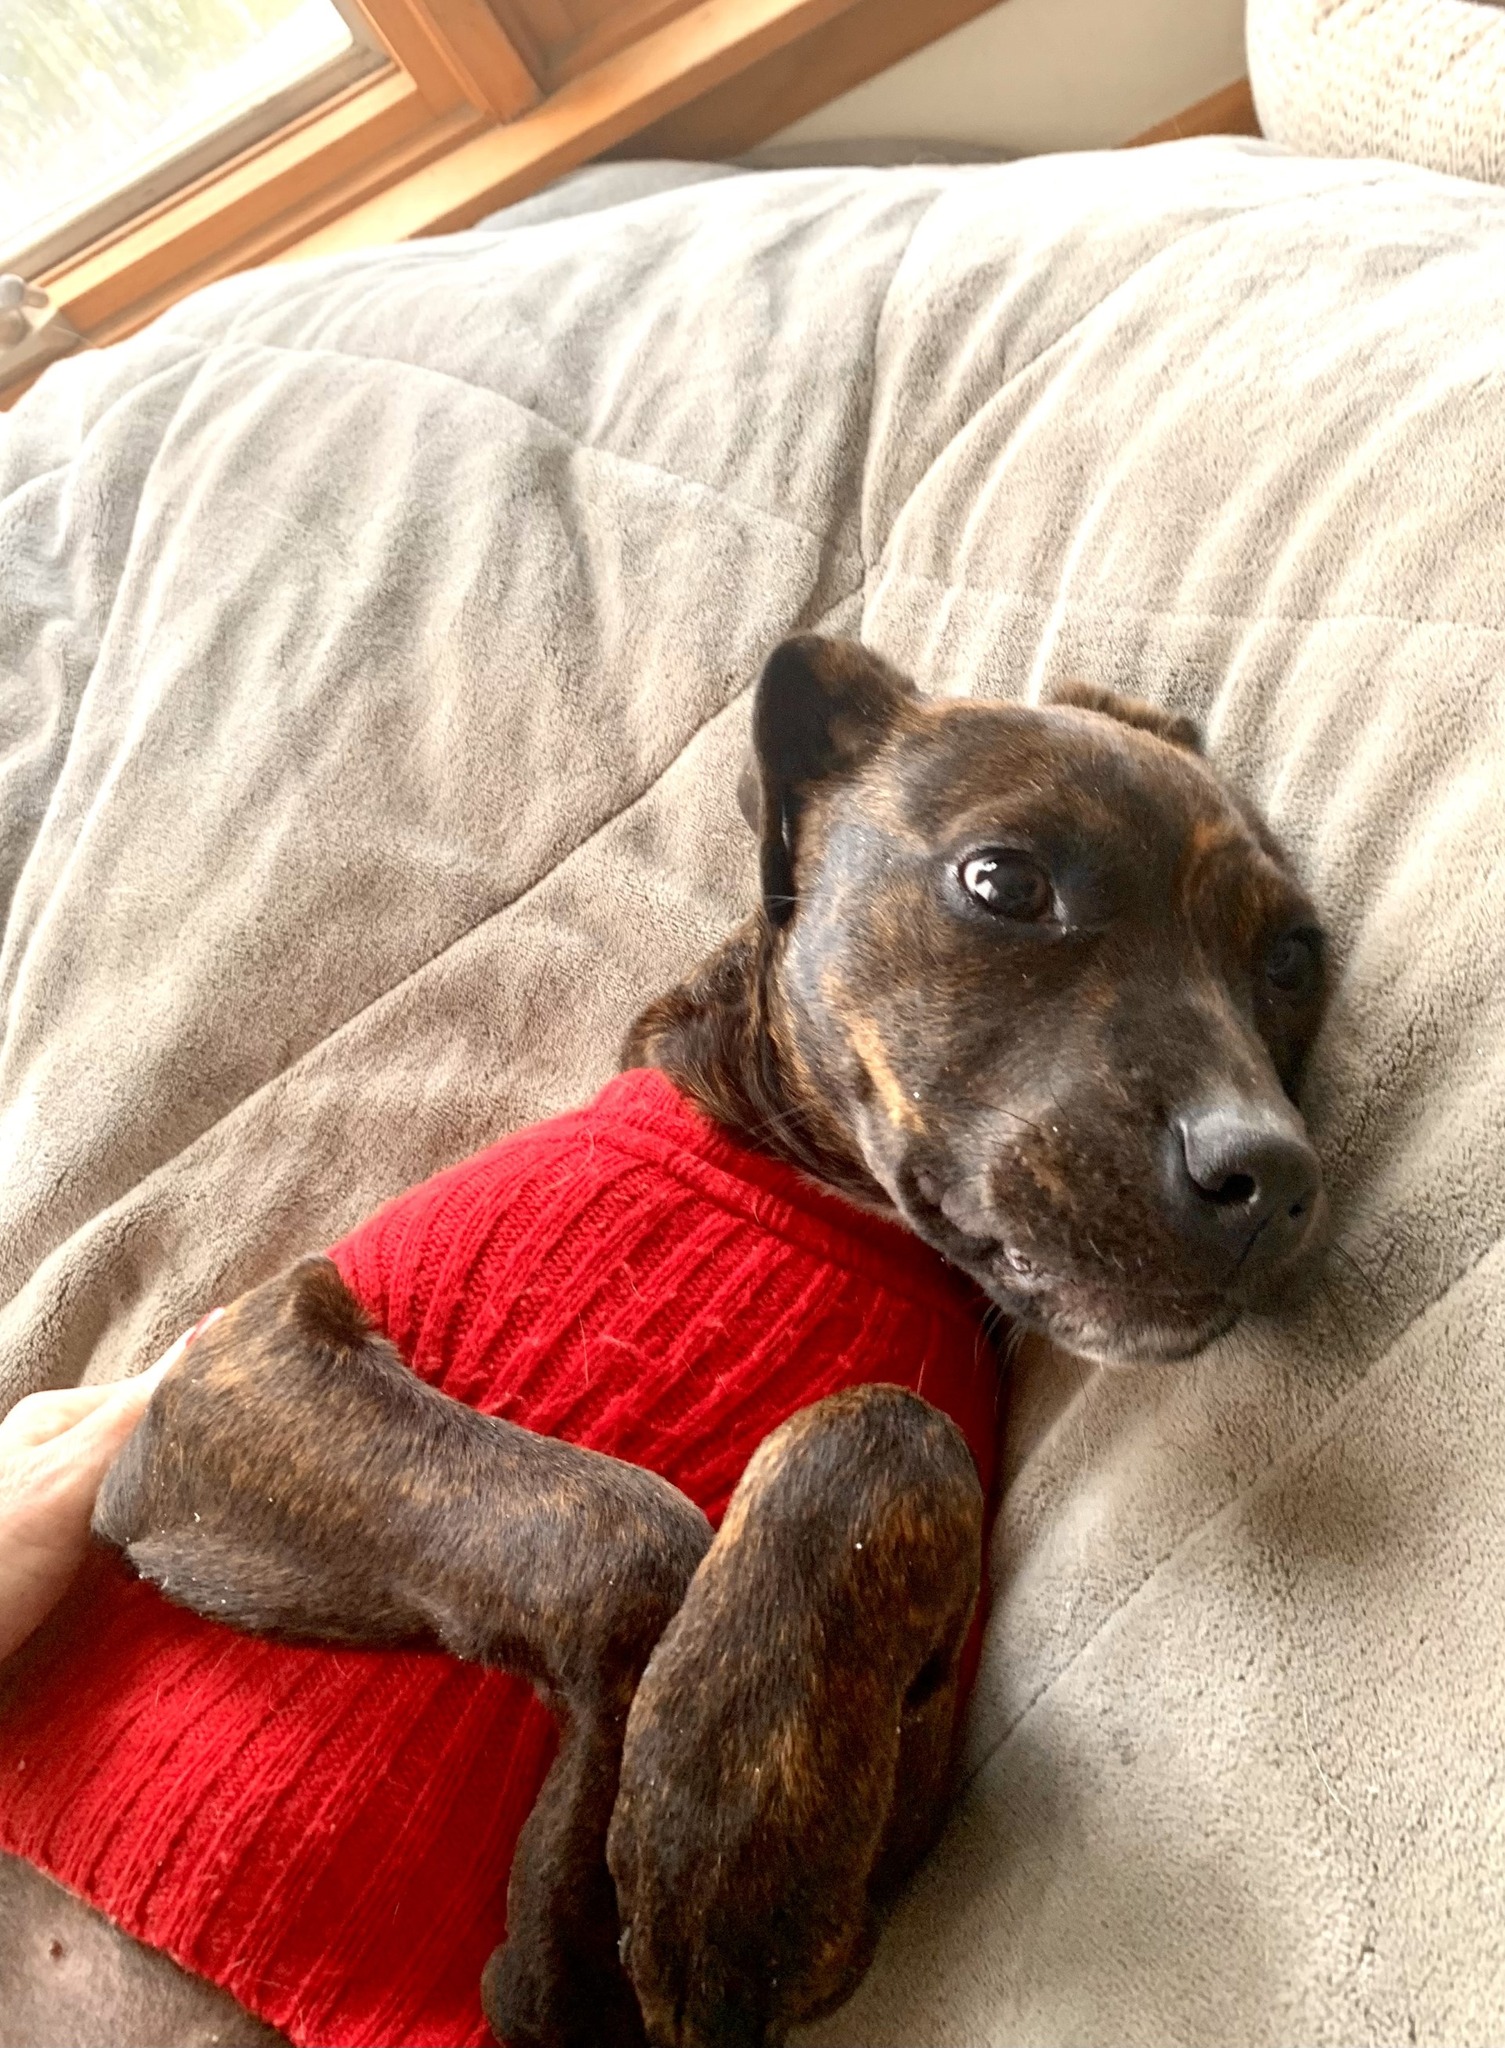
99, 104
155, 145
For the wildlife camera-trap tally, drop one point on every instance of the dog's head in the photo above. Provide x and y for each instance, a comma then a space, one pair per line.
1054, 982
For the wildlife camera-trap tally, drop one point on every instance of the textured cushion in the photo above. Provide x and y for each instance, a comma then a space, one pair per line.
1421, 80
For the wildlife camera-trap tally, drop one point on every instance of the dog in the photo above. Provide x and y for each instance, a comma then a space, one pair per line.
1032, 983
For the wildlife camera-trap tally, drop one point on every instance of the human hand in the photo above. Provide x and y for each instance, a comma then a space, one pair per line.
55, 1448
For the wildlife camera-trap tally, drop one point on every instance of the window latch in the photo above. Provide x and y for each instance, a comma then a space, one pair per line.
32, 331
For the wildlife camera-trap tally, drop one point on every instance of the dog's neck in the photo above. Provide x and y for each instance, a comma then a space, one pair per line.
723, 1037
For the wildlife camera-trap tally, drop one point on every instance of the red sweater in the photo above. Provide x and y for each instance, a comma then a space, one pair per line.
327, 1833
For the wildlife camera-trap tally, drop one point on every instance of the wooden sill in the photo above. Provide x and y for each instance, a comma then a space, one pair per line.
1229, 111
666, 69
455, 51
789, 83
254, 206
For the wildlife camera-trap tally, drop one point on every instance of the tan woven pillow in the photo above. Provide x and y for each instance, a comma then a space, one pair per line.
1419, 80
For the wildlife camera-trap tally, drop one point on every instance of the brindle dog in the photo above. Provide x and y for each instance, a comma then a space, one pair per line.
1035, 980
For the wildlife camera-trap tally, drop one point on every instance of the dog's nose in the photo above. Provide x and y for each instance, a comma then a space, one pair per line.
1246, 1181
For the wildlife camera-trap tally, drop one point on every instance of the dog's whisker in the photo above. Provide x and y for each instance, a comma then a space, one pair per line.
973, 1100
1340, 1251
1337, 1308
770, 1125
996, 1319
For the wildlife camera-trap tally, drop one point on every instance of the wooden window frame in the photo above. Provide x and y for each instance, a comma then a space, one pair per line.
468, 114
251, 126
456, 122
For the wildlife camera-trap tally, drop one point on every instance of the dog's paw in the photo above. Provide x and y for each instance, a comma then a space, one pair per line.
187, 1501
787, 1749
744, 1909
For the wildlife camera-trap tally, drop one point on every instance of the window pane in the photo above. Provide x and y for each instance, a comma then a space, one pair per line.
94, 93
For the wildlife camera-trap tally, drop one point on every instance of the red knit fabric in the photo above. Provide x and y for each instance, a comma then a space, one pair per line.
327, 1833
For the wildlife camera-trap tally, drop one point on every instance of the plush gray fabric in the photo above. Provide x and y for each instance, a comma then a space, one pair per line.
597, 186
375, 645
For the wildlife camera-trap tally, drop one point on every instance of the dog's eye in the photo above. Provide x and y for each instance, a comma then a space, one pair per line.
1293, 963
1009, 884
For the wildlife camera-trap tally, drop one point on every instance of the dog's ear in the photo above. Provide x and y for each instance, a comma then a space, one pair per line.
822, 707
1166, 725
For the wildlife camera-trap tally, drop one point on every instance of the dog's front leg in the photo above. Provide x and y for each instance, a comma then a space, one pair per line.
291, 1475
790, 1745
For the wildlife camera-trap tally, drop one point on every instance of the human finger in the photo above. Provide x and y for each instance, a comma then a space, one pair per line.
110, 1411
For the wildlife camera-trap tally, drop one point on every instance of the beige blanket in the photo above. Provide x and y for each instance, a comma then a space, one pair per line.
374, 646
